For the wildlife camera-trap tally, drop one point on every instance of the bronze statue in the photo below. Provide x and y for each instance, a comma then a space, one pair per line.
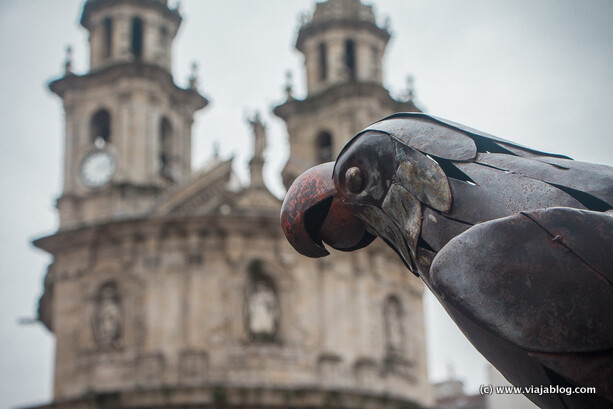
516, 244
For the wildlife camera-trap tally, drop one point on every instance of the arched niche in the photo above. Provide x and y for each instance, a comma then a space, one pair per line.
262, 307
393, 325
100, 127
165, 143
108, 319
323, 147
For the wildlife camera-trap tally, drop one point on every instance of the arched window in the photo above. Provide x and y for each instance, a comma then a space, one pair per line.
323, 147
165, 147
100, 127
350, 62
107, 320
107, 26
137, 38
323, 61
394, 332
262, 305
375, 62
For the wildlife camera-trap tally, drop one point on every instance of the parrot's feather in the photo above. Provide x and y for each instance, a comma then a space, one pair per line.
595, 180
496, 193
527, 278
453, 145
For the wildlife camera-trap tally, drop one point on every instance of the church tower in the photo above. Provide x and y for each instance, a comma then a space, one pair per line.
343, 48
128, 125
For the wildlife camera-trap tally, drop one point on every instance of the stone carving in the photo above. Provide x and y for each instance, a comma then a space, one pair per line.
367, 372
259, 134
107, 321
263, 310
193, 365
262, 306
394, 332
330, 367
150, 367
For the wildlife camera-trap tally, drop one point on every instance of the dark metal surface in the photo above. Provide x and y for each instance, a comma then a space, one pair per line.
595, 180
530, 279
496, 193
428, 136
516, 244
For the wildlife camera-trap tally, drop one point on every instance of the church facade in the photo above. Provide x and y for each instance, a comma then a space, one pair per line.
173, 288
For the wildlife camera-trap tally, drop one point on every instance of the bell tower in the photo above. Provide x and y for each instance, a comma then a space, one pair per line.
343, 48
128, 125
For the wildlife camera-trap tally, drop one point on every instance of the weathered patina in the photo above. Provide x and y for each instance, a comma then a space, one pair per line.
515, 243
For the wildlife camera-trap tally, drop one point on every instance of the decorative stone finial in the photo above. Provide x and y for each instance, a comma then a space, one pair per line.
259, 135
68, 61
410, 92
256, 164
193, 78
387, 22
216, 150
451, 375
289, 86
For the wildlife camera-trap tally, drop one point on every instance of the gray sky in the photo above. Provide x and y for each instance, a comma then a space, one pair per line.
538, 72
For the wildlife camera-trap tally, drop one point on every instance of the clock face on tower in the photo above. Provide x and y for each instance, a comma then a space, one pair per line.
97, 169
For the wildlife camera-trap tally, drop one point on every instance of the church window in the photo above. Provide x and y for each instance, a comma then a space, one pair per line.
375, 62
262, 305
107, 319
394, 333
323, 61
163, 36
100, 127
137, 38
107, 25
165, 147
324, 147
350, 59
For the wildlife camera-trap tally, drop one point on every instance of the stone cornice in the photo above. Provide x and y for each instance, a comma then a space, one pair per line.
312, 29
332, 95
94, 5
136, 70
235, 397
213, 223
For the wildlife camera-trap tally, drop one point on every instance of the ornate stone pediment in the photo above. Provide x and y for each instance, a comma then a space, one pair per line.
208, 190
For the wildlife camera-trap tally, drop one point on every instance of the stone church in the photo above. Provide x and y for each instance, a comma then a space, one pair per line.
174, 288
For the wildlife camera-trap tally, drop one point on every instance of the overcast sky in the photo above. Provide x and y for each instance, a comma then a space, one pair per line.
538, 72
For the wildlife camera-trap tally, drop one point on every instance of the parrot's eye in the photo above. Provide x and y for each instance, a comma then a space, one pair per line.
354, 180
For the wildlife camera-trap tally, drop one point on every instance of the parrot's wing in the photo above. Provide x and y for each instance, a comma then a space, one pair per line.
589, 183
448, 140
541, 282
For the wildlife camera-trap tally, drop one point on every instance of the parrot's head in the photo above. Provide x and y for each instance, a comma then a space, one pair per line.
377, 187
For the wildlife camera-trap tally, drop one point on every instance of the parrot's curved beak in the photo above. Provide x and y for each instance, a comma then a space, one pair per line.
312, 213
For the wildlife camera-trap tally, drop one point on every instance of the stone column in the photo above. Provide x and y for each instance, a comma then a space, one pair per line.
70, 162
151, 42
122, 32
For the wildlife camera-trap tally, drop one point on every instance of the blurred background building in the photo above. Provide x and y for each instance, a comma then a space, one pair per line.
171, 288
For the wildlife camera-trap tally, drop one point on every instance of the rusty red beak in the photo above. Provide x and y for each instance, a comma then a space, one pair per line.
312, 213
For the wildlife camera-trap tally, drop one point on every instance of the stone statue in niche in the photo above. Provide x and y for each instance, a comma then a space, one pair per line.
108, 317
263, 310
392, 315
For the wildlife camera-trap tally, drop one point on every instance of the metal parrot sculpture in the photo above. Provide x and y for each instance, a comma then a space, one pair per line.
516, 244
